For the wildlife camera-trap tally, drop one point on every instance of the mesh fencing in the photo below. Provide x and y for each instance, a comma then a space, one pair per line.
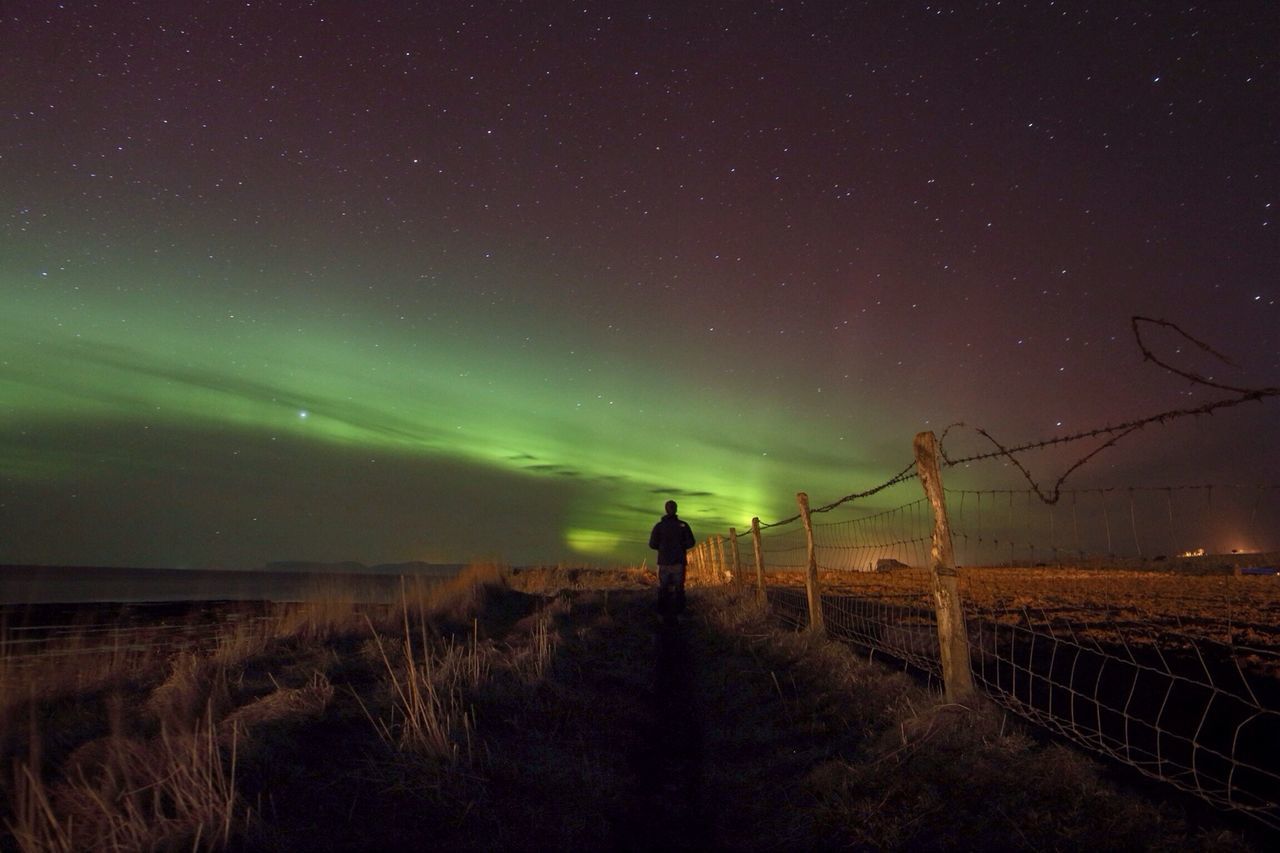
1174, 675
789, 604
1117, 617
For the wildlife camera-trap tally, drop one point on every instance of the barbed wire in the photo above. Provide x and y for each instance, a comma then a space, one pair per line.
1115, 432
902, 476
1097, 490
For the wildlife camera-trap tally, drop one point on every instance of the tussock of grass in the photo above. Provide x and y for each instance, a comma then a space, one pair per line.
195, 682
172, 792
543, 645
284, 704
463, 597
950, 779
428, 716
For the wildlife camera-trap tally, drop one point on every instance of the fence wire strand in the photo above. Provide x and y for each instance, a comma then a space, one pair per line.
1117, 432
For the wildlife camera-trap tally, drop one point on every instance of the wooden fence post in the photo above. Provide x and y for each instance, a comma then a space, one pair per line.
953, 641
737, 560
719, 557
816, 622
759, 554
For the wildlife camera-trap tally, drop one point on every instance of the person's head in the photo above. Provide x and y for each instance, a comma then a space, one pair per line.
671, 507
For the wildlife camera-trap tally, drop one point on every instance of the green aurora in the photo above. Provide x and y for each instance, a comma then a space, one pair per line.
610, 441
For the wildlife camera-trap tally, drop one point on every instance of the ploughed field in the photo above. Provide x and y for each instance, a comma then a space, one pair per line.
1173, 610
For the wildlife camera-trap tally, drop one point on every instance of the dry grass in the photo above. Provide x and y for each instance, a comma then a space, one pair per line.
72, 665
195, 682
464, 596
548, 580
475, 714
428, 716
172, 792
543, 646
141, 743
899, 768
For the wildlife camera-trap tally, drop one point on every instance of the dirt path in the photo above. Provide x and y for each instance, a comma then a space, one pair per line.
666, 805
646, 737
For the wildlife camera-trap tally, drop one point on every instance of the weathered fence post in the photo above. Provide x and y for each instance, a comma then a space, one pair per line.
953, 641
737, 561
816, 622
759, 554
719, 560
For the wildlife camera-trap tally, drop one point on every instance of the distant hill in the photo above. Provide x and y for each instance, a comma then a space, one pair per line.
417, 567
351, 567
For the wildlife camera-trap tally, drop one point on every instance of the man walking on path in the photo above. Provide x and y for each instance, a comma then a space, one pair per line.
671, 538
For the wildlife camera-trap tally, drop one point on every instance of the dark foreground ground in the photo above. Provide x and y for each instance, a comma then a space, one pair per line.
721, 732
717, 733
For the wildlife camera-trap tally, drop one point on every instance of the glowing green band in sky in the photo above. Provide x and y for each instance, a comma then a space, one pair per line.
627, 435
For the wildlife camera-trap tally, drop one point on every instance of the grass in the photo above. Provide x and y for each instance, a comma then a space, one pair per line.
530, 710
428, 716
173, 791
894, 766
163, 773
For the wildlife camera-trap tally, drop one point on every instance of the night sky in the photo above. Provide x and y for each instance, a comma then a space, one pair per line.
391, 281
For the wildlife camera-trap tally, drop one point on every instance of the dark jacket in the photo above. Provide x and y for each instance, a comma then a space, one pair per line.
671, 537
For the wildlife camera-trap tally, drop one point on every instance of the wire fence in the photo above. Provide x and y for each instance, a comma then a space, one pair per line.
1141, 622
1093, 618
1141, 668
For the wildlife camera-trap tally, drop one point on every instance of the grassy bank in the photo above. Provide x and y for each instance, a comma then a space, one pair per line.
531, 710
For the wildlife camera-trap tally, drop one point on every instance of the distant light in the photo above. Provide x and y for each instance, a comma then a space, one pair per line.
303, 413
1198, 552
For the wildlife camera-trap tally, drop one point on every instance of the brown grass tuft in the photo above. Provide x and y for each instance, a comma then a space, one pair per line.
428, 717
174, 792
463, 597
285, 703
195, 681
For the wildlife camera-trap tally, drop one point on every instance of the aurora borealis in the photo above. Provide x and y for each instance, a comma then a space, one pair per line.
389, 281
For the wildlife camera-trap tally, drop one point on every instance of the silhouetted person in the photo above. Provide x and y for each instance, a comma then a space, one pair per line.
671, 538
